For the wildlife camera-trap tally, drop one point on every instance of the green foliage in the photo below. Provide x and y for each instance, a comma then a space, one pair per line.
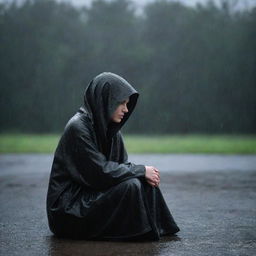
219, 144
198, 143
194, 67
28, 143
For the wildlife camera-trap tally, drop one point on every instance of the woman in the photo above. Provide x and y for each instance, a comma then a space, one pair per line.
94, 192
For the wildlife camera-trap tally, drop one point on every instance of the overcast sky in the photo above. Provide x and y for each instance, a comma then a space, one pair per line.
137, 2
140, 3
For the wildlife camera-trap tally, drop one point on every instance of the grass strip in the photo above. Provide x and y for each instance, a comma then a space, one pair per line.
219, 144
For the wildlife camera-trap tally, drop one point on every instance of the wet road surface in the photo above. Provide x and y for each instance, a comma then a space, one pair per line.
211, 197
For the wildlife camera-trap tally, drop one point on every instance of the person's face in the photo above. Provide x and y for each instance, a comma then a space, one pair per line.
120, 111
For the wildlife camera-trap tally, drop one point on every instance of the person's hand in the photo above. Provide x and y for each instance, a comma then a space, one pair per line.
152, 176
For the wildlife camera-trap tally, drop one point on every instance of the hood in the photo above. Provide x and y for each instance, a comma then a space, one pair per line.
101, 98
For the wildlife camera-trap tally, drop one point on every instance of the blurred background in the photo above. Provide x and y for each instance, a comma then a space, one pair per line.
193, 63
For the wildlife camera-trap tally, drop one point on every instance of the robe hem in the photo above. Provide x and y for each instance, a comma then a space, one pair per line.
169, 233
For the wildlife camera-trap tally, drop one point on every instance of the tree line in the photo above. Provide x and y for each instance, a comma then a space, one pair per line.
194, 67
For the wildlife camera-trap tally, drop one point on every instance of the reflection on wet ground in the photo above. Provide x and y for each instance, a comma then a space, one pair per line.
79, 247
214, 209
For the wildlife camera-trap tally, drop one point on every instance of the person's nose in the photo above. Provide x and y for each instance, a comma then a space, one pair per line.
125, 109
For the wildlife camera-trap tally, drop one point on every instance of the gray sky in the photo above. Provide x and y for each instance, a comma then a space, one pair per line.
241, 4
141, 3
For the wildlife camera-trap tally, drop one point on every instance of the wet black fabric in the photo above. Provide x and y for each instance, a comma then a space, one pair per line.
94, 192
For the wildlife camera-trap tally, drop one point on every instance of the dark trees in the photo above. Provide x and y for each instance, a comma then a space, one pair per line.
194, 67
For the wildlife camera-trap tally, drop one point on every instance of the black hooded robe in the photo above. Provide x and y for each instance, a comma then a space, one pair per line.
94, 192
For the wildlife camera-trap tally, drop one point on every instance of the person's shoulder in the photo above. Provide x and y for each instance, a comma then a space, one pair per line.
79, 122
118, 137
119, 134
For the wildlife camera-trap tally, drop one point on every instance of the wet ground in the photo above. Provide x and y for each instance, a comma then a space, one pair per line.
212, 198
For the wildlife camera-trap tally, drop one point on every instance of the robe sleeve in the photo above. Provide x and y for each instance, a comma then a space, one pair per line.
94, 169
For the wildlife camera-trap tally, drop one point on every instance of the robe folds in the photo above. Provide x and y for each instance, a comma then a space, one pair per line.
94, 192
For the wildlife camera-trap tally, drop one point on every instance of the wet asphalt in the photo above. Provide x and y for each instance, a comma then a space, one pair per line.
211, 197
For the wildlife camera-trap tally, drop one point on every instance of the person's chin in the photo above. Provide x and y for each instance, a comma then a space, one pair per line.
118, 120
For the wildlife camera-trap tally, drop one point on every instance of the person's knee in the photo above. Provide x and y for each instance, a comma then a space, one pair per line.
132, 184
